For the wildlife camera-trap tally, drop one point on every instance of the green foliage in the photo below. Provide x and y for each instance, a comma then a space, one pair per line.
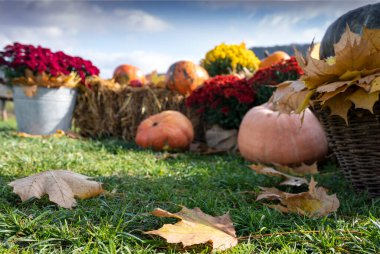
114, 223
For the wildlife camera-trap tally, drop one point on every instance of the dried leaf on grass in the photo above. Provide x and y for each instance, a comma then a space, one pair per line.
197, 227
166, 156
203, 149
61, 186
289, 180
314, 203
57, 134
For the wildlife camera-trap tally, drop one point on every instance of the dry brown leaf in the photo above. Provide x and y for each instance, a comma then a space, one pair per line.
339, 105
29, 91
305, 169
356, 66
373, 36
375, 85
314, 203
202, 148
347, 38
327, 96
57, 134
362, 99
61, 186
166, 156
197, 227
331, 87
289, 180
289, 96
301, 170
354, 56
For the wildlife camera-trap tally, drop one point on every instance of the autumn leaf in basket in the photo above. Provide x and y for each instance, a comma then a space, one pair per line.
350, 78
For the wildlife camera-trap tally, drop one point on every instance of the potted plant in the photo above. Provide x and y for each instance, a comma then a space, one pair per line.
222, 102
228, 59
44, 86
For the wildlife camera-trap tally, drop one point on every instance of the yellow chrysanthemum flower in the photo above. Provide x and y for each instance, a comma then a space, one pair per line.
224, 59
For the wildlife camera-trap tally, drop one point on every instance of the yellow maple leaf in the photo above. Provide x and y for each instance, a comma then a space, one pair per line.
331, 87
362, 99
375, 85
350, 75
339, 105
373, 36
356, 63
196, 227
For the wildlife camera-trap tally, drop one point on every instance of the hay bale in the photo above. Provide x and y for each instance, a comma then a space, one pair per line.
111, 110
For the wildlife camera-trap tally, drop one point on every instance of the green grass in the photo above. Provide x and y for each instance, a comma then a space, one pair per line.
115, 224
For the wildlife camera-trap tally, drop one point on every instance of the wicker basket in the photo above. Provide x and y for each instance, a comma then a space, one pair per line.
356, 146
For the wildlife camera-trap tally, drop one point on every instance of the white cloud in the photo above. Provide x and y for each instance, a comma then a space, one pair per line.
137, 20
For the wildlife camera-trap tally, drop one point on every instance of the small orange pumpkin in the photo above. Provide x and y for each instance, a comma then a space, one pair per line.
167, 130
274, 58
269, 137
125, 74
185, 77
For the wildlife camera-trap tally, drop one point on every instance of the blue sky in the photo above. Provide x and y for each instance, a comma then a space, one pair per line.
154, 34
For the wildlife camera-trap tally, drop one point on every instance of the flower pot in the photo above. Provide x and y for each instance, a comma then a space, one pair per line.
222, 139
48, 110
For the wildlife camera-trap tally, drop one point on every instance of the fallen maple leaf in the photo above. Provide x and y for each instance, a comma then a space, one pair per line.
314, 203
166, 156
289, 180
197, 227
61, 186
202, 148
57, 134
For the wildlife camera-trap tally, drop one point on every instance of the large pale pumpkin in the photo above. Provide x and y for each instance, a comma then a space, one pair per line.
185, 77
274, 58
269, 137
167, 130
126, 74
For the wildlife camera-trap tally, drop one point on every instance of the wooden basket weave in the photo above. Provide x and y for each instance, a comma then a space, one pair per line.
356, 146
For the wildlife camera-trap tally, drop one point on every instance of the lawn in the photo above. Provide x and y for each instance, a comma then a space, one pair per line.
140, 181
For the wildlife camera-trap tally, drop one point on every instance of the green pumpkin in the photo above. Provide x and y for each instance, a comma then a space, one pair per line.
366, 16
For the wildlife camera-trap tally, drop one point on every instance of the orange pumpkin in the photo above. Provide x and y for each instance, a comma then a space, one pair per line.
269, 137
125, 74
185, 77
167, 130
274, 58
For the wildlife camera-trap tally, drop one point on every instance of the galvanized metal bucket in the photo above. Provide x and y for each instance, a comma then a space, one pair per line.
49, 110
